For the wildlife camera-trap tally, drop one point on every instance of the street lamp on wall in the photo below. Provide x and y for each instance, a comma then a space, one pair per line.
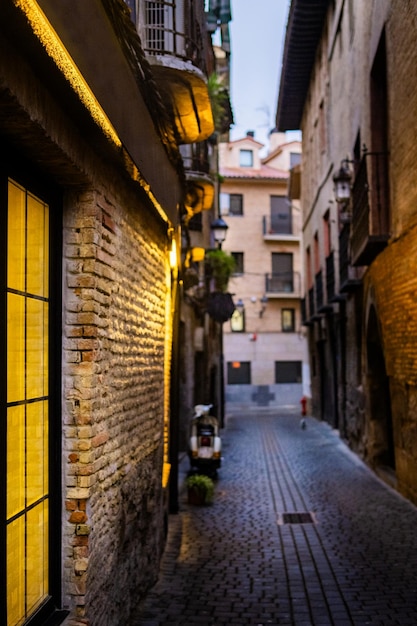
342, 180
219, 230
264, 302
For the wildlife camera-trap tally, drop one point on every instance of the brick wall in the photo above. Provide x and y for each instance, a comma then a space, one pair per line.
115, 294
393, 282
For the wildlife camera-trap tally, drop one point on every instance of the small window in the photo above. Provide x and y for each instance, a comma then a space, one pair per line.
196, 223
239, 267
224, 203
236, 204
246, 158
288, 320
295, 159
287, 372
238, 373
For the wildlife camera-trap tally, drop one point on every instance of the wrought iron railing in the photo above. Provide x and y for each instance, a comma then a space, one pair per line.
303, 307
319, 289
283, 282
275, 226
173, 27
311, 303
349, 276
344, 254
195, 157
370, 208
330, 277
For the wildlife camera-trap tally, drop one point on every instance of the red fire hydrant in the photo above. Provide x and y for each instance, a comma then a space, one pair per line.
303, 403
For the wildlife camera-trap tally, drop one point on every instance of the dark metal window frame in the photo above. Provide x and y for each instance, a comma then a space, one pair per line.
290, 328
25, 174
288, 372
235, 204
239, 258
245, 371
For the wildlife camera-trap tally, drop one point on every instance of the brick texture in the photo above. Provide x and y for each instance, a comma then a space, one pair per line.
115, 294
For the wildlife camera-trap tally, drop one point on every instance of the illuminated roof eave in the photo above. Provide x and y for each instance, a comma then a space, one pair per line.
95, 81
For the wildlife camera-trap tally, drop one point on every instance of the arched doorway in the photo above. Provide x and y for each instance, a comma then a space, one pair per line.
381, 437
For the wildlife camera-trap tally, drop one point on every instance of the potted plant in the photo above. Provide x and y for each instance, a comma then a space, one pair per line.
200, 489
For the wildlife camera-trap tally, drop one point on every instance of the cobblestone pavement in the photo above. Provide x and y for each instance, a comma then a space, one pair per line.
352, 559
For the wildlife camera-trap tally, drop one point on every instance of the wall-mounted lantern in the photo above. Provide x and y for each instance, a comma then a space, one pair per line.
342, 183
219, 230
264, 302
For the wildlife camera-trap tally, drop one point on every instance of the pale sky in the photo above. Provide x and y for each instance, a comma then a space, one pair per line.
257, 33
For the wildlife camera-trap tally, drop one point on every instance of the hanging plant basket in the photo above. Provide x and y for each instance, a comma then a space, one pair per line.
219, 268
220, 306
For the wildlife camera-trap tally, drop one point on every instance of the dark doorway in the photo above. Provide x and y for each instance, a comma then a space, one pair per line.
326, 384
382, 449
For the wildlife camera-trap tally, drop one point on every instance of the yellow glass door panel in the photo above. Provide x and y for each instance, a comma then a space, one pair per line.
15, 459
45, 350
36, 548
16, 572
37, 246
15, 347
27, 502
36, 314
16, 238
36, 487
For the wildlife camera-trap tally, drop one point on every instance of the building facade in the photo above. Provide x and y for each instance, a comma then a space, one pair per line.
264, 344
351, 92
94, 190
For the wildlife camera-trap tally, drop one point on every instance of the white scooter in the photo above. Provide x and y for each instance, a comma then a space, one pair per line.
205, 443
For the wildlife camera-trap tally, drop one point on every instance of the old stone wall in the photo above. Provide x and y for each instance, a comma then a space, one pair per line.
115, 293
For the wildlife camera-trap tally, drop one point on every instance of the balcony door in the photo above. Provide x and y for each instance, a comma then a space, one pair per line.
281, 223
282, 272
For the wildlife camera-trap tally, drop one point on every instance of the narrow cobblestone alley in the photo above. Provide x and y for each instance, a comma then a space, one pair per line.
349, 556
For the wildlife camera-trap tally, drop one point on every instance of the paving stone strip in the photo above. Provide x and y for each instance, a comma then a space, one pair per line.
245, 561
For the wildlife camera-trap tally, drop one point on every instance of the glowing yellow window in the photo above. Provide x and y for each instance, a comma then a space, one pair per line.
27, 490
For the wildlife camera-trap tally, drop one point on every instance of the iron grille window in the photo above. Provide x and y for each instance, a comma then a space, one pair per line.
155, 23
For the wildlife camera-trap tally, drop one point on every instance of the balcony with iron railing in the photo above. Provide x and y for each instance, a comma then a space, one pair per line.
305, 321
330, 278
311, 304
274, 229
370, 208
200, 188
318, 282
283, 285
173, 35
350, 276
